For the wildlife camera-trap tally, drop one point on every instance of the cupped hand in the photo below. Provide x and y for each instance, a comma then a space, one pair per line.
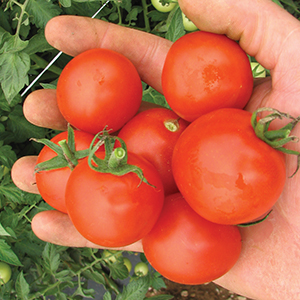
268, 266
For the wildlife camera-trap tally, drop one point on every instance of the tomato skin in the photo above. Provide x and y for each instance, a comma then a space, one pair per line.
5, 272
188, 24
99, 87
147, 135
163, 8
110, 210
186, 248
52, 184
224, 171
203, 72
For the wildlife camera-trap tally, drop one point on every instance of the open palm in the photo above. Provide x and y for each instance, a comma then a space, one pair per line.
268, 266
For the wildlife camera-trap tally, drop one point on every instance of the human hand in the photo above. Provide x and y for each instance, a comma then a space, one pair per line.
268, 266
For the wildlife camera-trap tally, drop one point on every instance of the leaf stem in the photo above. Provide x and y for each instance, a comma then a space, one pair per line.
20, 18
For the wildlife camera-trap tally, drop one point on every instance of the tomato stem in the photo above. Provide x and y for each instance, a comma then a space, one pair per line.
276, 138
68, 154
115, 160
172, 125
116, 157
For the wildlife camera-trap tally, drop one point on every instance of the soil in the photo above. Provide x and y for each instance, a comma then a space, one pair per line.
208, 291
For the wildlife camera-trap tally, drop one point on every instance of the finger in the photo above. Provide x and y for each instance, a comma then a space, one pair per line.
22, 174
74, 35
56, 227
41, 109
263, 28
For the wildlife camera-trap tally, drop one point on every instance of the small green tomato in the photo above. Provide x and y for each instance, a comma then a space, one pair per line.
5, 272
188, 24
163, 7
258, 70
127, 263
110, 256
141, 269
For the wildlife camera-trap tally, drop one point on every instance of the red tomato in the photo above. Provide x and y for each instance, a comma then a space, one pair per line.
224, 171
99, 87
187, 249
153, 134
52, 184
205, 71
111, 210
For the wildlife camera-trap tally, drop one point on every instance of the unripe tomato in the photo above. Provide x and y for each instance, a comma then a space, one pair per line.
5, 272
188, 24
167, 7
141, 269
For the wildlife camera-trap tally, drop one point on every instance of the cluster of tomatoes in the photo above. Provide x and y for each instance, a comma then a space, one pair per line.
178, 179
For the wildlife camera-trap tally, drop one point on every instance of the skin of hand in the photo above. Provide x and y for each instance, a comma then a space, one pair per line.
268, 268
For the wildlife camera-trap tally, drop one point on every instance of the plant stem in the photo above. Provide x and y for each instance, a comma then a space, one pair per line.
23, 8
43, 63
145, 12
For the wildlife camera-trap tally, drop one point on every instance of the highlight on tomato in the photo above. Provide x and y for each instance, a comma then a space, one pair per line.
230, 167
206, 71
153, 134
188, 249
113, 197
99, 88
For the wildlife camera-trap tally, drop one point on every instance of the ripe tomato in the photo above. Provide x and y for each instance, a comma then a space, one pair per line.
205, 71
187, 249
153, 134
111, 210
52, 184
224, 171
99, 87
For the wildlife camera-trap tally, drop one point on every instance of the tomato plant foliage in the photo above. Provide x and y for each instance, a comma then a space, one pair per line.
39, 269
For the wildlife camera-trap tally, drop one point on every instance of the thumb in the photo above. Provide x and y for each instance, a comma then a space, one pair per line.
263, 28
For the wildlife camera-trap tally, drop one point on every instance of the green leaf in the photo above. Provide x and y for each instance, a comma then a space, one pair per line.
42, 11
38, 43
11, 192
7, 254
107, 296
157, 281
22, 287
87, 293
95, 276
118, 270
277, 2
152, 96
66, 3
22, 129
3, 232
176, 29
126, 4
7, 156
291, 4
14, 65
51, 258
135, 290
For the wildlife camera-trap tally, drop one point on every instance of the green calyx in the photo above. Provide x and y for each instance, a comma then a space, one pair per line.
67, 156
115, 160
276, 138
